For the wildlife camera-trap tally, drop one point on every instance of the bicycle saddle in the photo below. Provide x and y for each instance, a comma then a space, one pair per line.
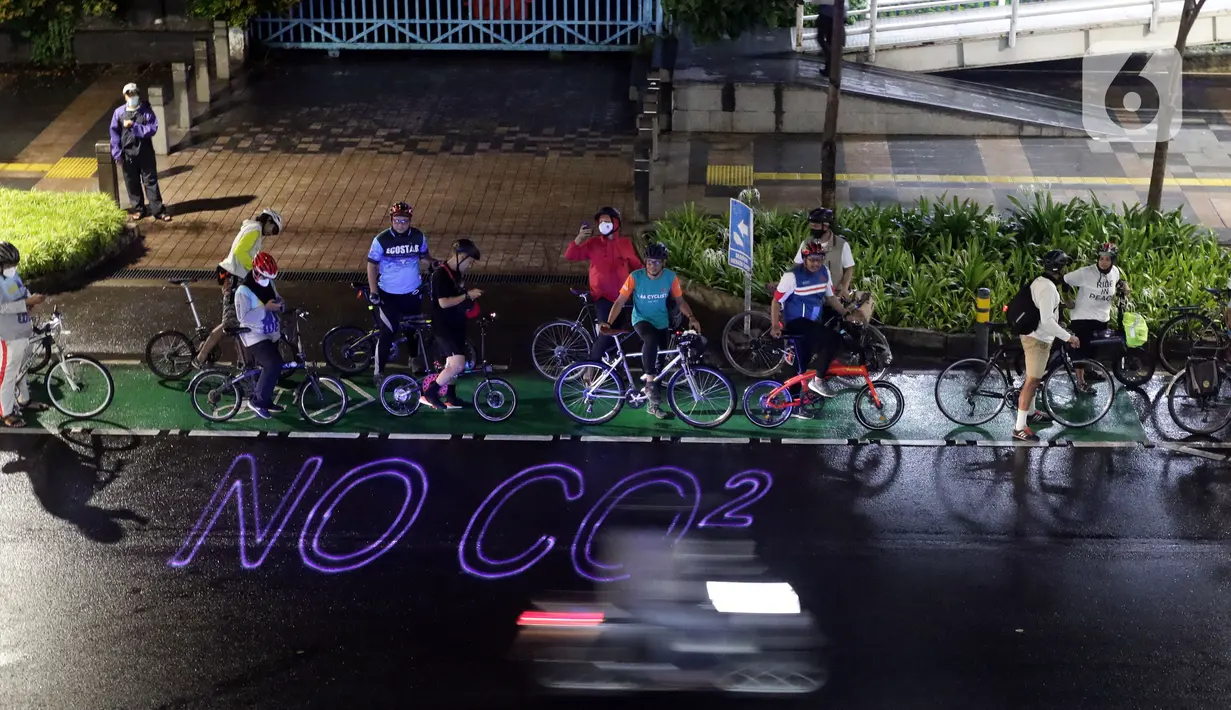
359, 285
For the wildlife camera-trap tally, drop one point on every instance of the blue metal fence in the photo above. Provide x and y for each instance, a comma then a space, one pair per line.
579, 25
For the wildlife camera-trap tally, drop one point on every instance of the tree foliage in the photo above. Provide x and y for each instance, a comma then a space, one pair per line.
49, 24
716, 20
237, 12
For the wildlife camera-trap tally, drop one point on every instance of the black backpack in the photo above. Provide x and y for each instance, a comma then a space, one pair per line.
1022, 314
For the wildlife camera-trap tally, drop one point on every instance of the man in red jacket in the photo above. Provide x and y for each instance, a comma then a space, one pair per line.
612, 258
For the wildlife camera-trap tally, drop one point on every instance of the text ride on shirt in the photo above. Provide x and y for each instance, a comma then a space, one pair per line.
1095, 292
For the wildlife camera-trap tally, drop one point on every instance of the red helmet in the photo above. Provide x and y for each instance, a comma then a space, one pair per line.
265, 266
813, 247
401, 209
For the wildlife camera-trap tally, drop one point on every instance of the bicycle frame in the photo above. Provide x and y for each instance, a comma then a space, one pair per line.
192, 306
45, 334
621, 361
804, 377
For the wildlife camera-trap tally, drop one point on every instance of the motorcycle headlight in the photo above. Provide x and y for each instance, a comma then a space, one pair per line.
753, 597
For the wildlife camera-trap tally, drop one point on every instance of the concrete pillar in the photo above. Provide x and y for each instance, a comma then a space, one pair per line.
179, 92
237, 40
108, 183
158, 102
200, 65
222, 52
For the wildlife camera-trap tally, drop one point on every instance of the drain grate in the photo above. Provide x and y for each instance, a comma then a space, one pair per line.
343, 276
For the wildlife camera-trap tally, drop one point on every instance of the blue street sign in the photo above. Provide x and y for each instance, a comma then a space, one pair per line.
739, 245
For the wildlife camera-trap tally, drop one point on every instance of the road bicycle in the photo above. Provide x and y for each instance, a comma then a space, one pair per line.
1197, 397
79, 386
749, 347
768, 404
494, 398
217, 394
560, 343
973, 391
1192, 333
695, 393
350, 350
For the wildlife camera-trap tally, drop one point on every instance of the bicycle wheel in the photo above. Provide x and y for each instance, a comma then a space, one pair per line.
765, 409
169, 354
495, 399
1134, 367
701, 396
1198, 414
582, 386
1072, 408
1188, 335
214, 395
748, 346
322, 399
80, 386
400, 395
558, 344
348, 349
971, 391
38, 356
873, 351
883, 415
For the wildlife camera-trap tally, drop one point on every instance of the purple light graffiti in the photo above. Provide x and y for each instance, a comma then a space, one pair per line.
666, 475
232, 484
474, 562
321, 561
724, 516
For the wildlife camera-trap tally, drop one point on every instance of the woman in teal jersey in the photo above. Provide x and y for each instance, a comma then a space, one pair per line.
650, 290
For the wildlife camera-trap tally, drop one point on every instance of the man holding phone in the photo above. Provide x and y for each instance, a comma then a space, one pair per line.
612, 258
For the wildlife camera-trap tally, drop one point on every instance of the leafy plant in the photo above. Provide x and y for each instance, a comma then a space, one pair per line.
716, 20
237, 12
49, 25
58, 231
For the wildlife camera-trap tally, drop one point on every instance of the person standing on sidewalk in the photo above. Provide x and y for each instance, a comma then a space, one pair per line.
16, 330
133, 126
394, 279
612, 258
1037, 344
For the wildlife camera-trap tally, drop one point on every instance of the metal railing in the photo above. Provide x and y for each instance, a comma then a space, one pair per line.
915, 14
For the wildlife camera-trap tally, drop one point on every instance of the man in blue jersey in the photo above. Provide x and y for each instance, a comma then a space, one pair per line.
800, 299
394, 278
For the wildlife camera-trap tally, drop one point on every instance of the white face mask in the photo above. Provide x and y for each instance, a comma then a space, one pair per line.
262, 282
605, 228
10, 272
134, 101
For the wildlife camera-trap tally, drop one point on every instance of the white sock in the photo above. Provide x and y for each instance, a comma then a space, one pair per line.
1021, 420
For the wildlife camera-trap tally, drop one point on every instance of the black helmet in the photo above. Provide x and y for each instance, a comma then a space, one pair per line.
1055, 260
611, 212
820, 215
657, 250
467, 247
9, 254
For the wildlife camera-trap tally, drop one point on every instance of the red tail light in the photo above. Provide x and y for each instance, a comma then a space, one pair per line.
560, 618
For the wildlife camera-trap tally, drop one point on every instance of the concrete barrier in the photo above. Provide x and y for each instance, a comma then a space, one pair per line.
158, 102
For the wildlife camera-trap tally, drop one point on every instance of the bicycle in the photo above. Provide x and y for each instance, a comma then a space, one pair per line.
217, 394
593, 382
1192, 334
1204, 395
350, 350
73, 375
401, 394
560, 343
748, 334
1133, 367
169, 354
777, 404
967, 382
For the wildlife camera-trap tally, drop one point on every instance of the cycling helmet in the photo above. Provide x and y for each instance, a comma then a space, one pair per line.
401, 209
467, 247
9, 254
273, 217
263, 265
814, 246
820, 215
1109, 249
611, 212
1055, 260
658, 250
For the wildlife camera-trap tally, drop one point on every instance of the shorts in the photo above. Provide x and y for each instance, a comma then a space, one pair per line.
450, 341
1036, 352
229, 319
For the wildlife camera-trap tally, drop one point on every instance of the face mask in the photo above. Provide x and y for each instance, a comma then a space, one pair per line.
820, 234
262, 282
134, 101
605, 228
10, 272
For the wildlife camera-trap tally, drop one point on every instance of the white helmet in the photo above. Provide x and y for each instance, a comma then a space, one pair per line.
274, 217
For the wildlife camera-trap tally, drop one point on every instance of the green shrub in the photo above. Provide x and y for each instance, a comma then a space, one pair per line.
58, 232
940, 252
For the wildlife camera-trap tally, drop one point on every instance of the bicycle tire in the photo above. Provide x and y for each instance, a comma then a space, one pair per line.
355, 349
1181, 380
217, 382
872, 338
489, 389
1134, 377
574, 376
758, 323
755, 395
568, 330
1089, 366
993, 375
69, 363
37, 362
885, 391
681, 374
305, 391
1175, 362
175, 345
406, 394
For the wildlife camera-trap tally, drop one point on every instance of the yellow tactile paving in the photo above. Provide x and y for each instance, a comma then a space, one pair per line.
73, 168
744, 175
25, 167
729, 175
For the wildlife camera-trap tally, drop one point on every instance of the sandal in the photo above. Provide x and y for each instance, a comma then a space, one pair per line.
164, 217
136, 216
13, 422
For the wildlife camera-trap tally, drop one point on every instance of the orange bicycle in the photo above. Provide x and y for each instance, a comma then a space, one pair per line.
768, 403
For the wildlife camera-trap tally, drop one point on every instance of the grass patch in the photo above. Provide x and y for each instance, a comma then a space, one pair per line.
942, 251
59, 233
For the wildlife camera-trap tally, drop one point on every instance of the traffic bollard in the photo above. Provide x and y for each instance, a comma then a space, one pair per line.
983, 311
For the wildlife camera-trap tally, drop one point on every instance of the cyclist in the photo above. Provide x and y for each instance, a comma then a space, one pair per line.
838, 259
650, 289
1037, 345
1095, 286
799, 301
394, 278
612, 258
232, 271
257, 305
454, 304
16, 329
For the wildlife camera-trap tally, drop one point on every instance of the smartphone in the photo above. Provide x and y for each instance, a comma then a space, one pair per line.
586, 225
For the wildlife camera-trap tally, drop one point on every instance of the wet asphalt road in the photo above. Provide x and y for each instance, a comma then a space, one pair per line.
945, 577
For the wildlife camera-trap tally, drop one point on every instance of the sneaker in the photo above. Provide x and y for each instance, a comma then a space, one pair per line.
196, 364
431, 397
818, 386
1025, 435
449, 398
275, 408
1039, 417
657, 412
257, 409
378, 379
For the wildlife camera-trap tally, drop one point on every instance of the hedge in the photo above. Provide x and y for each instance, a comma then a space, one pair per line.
59, 232
941, 251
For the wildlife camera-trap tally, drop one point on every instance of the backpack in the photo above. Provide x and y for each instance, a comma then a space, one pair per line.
1022, 314
1203, 376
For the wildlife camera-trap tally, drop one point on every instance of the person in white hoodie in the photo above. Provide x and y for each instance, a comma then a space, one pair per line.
1037, 345
16, 330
